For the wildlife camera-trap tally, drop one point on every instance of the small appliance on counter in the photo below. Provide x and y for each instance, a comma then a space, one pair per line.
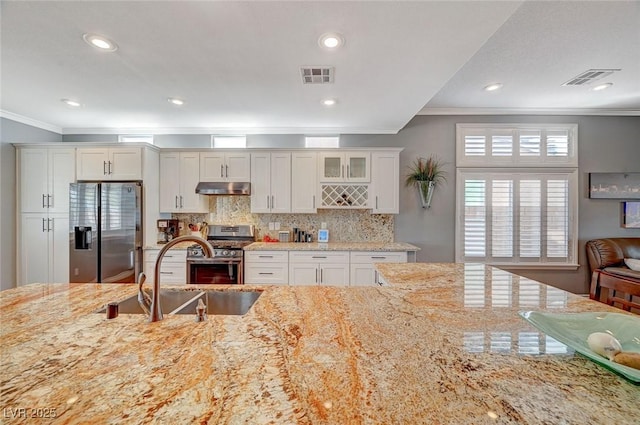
168, 229
284, 236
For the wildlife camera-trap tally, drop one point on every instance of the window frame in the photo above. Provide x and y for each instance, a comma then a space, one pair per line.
517, 167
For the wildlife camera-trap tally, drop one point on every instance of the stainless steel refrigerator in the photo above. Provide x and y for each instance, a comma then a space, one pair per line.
105, 232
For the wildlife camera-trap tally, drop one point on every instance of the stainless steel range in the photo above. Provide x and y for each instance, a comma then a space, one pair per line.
226, 266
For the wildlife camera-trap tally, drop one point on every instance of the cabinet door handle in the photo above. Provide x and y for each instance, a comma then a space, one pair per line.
104, 168
176, 201
181, 204
342, 171
376, 202
43, 228
267, 201
321, 276
49, 224
264, 273
314, 202
226, 170
43, 205
316, 275
273, 204
348, 175
221, 170
109, 168
49, 201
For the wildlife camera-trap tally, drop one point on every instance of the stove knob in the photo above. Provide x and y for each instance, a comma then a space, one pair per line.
225, 253
232, 253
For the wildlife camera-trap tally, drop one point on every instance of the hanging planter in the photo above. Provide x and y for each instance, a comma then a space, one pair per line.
425, 175
425, 188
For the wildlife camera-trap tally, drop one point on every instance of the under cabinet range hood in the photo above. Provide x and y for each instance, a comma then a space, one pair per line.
223, 188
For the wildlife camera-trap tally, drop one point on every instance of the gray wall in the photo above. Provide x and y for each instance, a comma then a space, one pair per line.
13, 132
606, 144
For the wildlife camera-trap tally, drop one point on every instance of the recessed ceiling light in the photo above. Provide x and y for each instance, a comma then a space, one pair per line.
176, 101
329, 102
492, 87
331, 40
100, 42
71, 103
602, 86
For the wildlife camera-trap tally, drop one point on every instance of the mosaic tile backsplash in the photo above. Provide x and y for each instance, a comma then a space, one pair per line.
344, 225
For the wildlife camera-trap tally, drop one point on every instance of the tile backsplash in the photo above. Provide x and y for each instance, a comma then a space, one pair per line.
344, 225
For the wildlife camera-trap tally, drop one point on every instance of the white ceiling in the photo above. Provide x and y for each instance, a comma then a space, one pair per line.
236, 64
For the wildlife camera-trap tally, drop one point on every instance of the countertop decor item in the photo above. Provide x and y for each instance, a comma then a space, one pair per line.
573, 329
426, 174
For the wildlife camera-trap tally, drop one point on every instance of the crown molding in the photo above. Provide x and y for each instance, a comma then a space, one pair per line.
30, 121
528, 111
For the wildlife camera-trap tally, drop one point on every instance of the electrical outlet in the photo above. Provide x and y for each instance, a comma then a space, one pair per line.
272, 226
277, 225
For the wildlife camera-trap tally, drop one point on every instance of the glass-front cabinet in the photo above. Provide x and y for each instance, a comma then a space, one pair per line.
345, 167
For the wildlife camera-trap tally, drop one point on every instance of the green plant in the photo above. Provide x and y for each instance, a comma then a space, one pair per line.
426, 170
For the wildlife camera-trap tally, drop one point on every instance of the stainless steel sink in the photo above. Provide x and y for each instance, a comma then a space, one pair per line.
185, 302
236, 303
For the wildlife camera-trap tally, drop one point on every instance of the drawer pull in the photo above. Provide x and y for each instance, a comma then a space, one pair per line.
166, 272
378, 258
265, 273
265, 256
319, 256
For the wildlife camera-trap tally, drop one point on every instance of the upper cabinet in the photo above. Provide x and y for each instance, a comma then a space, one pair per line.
385, 182
304, 182
349, 167
45, 174
271, 182
109, 163
179, 176
225, 167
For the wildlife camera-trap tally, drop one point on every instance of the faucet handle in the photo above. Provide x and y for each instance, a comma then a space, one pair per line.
143, 297
201, 315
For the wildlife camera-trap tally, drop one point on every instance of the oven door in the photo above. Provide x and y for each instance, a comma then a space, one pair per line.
212, 271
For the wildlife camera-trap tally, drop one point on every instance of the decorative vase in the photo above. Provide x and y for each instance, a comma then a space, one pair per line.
426, 188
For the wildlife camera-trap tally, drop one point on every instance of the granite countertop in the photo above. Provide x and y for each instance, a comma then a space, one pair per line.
331, 246
445, 345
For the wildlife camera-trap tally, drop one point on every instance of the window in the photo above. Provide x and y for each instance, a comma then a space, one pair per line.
136, 138
322, 142
222, 142
510, 213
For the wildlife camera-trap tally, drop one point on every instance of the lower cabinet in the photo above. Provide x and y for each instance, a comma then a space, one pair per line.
363, 272
173, 269
266, 267
319, 268
44, 248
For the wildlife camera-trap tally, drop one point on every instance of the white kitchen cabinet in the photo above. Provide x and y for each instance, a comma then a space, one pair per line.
271, 182
45, 175
363, 272
344, 167
304, 182
173, 268
385, 183
225, 167
109, 163
44, 248
319, 268
266, 267
179, 176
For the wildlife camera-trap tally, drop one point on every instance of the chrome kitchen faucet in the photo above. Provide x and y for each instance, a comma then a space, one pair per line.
153, 307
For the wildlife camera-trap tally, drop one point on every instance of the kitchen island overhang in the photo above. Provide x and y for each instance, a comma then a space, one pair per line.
446, 347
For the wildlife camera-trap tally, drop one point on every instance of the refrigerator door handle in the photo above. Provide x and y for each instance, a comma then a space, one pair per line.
132, 261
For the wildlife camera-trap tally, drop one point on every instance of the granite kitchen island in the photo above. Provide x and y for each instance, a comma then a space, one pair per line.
443, 344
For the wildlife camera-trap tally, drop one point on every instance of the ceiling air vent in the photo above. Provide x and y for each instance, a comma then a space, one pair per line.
317, 74
589, 77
